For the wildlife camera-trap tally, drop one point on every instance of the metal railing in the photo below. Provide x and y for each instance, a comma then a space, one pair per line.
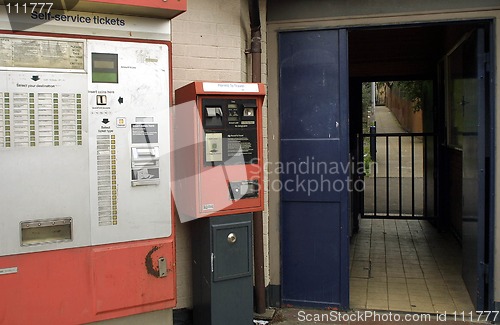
398, 180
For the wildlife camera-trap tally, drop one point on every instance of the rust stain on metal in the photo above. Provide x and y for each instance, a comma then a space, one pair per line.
149, 263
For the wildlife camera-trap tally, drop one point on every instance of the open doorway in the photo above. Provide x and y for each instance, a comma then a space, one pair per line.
418, 233
321, 73
399, 259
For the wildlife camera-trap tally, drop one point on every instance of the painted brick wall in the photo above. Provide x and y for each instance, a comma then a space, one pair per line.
209, 42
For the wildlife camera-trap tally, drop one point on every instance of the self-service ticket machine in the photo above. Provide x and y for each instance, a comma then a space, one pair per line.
86, 216
218, 179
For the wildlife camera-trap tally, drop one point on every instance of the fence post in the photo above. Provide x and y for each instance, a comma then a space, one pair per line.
373, 142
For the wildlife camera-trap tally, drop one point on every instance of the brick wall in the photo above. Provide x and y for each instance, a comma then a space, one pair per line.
402, 109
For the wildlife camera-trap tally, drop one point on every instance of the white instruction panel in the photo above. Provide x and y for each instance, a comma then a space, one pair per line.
84, 143
129, 140
38, 110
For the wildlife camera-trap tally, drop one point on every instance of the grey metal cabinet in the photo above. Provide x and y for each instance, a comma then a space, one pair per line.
222, 270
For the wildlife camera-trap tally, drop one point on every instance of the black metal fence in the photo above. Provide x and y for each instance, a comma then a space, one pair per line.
399, 175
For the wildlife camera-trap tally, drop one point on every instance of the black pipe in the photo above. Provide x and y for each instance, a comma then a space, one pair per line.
258, 227
256, 39
254, 10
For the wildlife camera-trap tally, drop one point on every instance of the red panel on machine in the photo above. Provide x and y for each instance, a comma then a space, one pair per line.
117, 279
133, 276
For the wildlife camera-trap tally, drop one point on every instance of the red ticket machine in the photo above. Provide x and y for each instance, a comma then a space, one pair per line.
218, 149
86, 223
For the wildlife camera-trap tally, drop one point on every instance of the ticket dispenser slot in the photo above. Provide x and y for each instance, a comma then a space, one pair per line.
145, 166
213, 117
244, 189
37, 232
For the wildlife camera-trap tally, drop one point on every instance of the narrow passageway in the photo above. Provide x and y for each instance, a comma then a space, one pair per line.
406, 265
403, 265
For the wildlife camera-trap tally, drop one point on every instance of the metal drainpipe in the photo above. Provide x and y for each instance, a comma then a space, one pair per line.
258, 227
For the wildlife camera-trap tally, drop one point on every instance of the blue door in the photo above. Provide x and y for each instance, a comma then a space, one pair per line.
314, 142
468, 82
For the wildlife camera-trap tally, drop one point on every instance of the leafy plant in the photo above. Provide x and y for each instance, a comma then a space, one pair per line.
411, 90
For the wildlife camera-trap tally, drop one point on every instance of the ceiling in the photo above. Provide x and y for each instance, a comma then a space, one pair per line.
401, 52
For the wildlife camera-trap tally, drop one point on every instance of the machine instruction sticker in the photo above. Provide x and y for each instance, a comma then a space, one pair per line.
37, 53
145, 133
41, 110
230, 87
8, 270
240, 144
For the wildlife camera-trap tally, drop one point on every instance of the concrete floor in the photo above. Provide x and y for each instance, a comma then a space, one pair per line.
407, 266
